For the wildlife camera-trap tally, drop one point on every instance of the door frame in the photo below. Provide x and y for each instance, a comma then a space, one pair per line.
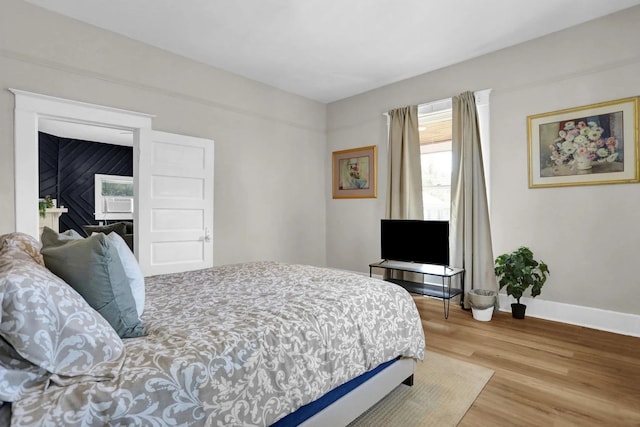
29, 108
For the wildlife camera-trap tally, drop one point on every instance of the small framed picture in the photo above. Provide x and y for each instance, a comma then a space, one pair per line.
354, 173
594, 144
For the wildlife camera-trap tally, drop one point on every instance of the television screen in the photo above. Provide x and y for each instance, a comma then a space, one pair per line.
425, 242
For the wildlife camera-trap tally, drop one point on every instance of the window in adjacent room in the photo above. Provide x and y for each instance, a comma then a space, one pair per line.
113, 197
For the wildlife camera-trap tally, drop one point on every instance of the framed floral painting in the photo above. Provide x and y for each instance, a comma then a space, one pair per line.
594, 144
354, 173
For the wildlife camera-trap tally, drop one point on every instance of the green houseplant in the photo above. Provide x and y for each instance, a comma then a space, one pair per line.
518, 271
42, 208
43, 205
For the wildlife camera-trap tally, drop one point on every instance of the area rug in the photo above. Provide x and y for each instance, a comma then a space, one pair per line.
443, 390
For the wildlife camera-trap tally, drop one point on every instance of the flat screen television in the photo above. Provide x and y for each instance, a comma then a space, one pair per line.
425, 242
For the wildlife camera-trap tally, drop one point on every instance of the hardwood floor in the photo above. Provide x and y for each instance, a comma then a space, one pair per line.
546, 373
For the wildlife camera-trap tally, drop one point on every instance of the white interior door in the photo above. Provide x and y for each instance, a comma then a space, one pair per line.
174, 196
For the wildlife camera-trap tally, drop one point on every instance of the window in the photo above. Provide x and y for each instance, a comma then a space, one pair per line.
116, 188
435, 158
113, 197
436, 127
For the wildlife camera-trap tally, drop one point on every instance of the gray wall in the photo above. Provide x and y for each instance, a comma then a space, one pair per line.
273, 149
587, 235
270, 146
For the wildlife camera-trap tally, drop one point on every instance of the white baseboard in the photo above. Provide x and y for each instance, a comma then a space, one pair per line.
595, 318
589, 317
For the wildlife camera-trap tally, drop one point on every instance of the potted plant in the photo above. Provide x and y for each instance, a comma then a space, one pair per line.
518, 271
43, 205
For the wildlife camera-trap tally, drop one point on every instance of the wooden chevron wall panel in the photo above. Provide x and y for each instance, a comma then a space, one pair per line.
48, 165
67, 169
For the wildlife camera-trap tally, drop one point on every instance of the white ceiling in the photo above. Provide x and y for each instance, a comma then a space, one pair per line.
85, 132
327, 50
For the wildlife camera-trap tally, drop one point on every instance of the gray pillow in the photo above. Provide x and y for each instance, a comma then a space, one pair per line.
55, 239
93, 268
131, 269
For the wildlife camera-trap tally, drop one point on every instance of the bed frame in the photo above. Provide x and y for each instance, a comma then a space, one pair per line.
351, 405
348, 407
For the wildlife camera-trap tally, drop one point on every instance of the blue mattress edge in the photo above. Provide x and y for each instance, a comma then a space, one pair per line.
310, 409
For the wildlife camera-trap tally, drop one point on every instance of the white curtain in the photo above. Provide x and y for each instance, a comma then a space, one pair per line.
404, 183
469, 228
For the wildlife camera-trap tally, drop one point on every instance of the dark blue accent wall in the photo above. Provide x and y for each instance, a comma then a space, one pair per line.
67, 168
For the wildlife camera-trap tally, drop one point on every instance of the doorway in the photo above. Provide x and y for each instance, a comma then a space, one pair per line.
173, 181
77, 162
34, 111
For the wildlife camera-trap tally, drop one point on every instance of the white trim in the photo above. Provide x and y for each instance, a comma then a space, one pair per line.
431, 107
482, 97
68, 110
29, 108
590, 317
484, 123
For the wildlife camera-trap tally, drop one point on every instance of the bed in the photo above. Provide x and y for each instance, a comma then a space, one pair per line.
247, 344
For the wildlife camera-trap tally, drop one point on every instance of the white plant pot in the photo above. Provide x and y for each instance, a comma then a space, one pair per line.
481, 298
482, 314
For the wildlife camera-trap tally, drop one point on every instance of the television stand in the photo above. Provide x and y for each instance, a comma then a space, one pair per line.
444, 291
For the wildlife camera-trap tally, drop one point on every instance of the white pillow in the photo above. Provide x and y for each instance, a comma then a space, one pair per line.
131, 269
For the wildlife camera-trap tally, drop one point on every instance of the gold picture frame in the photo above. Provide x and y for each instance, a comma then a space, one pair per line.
354, 173
589, 145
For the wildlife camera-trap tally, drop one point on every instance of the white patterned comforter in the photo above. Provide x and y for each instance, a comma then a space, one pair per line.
241, 344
